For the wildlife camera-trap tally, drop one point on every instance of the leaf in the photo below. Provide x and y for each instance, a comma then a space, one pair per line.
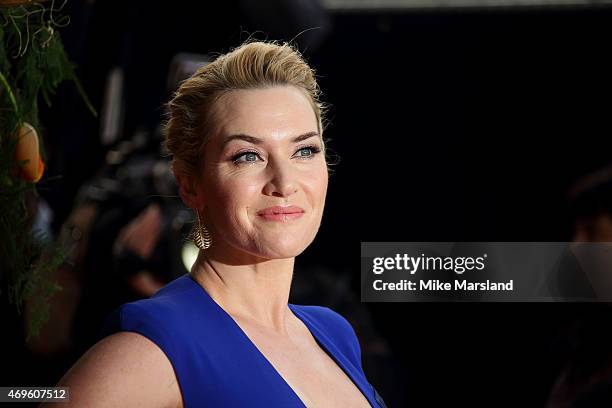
4, 84
5, 64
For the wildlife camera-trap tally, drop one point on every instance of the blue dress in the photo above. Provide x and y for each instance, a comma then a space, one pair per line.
215, 362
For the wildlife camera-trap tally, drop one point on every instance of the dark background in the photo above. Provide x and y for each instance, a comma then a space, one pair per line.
467, 126
450, 125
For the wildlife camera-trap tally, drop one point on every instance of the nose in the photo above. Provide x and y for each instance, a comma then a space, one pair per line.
281, 180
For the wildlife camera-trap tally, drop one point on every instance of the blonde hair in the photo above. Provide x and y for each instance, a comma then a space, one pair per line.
250, 66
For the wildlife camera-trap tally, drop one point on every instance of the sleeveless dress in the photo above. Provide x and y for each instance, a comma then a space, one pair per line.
216, 363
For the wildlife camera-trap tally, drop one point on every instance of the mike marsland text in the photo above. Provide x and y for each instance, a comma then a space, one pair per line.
437, 285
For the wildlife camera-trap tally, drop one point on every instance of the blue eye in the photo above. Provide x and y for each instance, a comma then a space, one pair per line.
307, 152
246, 157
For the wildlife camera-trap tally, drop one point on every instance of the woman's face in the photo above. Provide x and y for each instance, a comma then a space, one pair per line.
264, 178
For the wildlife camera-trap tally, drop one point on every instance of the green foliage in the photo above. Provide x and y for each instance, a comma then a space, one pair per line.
33, 63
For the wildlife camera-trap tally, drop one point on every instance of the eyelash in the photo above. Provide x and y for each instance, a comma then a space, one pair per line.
314, 149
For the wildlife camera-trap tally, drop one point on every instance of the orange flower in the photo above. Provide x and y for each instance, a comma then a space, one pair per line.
27, 154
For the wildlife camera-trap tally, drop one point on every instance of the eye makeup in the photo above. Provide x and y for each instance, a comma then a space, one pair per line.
252, 155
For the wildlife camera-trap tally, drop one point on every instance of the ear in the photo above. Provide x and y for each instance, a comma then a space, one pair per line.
187, 189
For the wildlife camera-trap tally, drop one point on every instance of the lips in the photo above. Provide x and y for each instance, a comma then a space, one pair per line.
278, 213
291, 209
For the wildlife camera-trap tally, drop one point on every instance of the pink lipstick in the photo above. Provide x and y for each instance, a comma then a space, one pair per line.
278, 213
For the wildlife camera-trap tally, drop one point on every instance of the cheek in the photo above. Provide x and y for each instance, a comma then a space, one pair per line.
233, 198
317, 186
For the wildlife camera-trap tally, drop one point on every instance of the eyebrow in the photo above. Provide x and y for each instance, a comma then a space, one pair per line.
258, 141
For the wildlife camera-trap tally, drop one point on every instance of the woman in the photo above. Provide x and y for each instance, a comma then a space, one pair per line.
245, 134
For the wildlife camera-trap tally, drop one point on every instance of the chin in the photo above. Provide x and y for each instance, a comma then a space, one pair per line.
283, 248
277, 252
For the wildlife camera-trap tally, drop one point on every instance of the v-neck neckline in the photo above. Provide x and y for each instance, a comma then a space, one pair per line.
314, 332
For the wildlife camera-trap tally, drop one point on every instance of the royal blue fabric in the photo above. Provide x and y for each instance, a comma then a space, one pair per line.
216, 364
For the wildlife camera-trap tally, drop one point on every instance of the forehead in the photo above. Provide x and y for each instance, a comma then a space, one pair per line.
275, 112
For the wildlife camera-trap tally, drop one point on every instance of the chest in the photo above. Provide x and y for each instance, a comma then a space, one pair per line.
313, 375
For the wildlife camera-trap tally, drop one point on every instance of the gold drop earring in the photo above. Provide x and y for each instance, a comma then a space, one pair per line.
200, 235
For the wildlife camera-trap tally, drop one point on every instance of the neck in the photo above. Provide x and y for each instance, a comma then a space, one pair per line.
257, 292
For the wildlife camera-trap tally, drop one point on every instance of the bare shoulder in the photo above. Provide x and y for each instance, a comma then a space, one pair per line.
123, 370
